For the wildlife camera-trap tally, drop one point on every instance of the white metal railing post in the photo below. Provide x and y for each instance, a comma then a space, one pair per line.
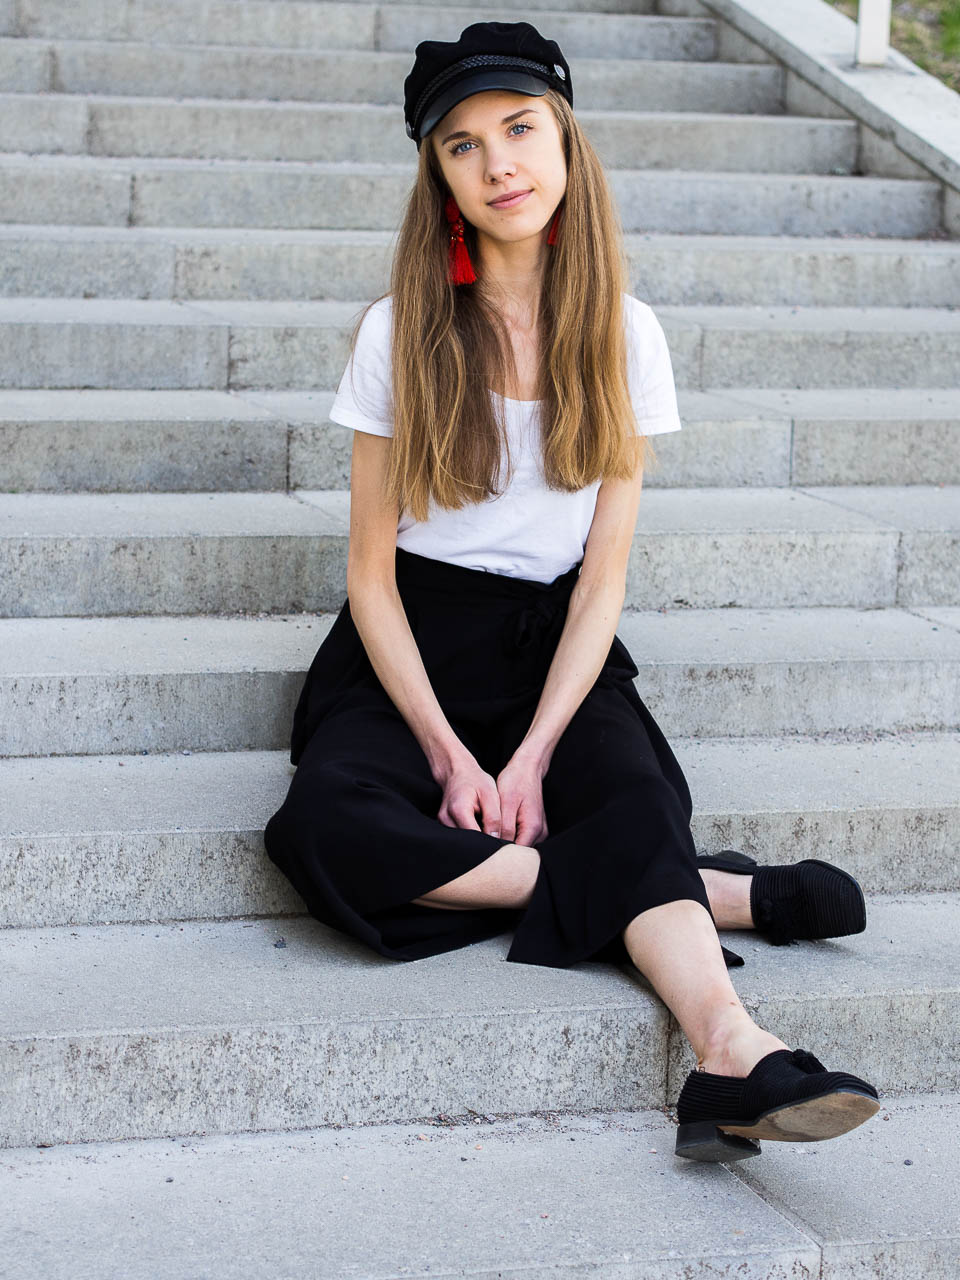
873, 32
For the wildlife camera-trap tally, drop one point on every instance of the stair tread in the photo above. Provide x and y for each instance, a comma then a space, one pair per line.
860, 246
780, 1214
504, 1197
102, 978
677, 638
849, 403
233, 791
388, 111
336, 312
325, 512
736, 180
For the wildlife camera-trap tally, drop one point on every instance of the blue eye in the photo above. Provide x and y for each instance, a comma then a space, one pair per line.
519, 124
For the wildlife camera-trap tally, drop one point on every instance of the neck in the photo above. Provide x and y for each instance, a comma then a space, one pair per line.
512, 276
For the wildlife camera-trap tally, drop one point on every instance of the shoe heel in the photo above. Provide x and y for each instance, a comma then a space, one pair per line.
702, 1140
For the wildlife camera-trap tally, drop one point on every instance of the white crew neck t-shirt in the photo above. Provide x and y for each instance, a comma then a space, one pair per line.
529, 530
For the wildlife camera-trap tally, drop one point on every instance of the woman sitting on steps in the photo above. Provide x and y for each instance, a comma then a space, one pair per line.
472, 753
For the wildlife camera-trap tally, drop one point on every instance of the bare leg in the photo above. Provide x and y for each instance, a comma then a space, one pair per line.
675, 946
505, 879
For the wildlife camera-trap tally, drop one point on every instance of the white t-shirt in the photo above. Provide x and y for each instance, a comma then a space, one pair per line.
528, 531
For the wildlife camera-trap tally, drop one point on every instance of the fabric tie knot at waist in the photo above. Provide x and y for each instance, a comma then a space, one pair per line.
537, 625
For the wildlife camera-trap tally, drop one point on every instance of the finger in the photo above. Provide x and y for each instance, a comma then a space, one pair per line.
508, 819
524, 825
488, 802
463, 810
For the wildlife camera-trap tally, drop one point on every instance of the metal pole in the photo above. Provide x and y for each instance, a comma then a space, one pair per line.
873, 32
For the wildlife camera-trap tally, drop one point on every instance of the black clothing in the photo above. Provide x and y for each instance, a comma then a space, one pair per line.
358, 835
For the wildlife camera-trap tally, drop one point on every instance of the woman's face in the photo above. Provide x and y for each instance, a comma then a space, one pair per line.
503, 142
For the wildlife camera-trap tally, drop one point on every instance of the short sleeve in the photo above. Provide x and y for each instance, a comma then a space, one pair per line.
364, 399
649, 370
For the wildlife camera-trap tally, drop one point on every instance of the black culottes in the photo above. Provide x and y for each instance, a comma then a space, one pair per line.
358, 835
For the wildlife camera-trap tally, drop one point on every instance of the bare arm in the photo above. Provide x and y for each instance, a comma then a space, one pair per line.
589, 629
382, 625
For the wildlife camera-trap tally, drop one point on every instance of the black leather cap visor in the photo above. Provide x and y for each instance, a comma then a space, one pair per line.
515, 81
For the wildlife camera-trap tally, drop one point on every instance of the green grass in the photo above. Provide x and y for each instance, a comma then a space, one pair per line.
927, 32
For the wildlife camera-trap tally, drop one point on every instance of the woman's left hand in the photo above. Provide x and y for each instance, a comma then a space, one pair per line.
522, 819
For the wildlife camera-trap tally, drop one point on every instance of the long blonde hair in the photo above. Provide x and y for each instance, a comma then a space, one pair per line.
449, 346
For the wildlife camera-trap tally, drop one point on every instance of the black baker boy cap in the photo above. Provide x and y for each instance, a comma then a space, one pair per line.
488, 55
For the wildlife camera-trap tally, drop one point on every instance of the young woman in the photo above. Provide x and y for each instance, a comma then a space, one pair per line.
472, 753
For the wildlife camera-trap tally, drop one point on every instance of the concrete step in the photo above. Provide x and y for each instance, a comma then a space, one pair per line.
106, 191
612, 28
361, 132
149, 553
824, 347
298, 265
103, 343
277, 265
362, 75
159, 441
552, 1185
290, 1024
72, 686
174, 836
198, 441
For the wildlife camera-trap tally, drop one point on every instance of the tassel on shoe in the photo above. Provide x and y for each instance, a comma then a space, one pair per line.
808, 900
789, 1096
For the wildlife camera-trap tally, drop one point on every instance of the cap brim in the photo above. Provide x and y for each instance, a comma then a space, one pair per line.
517, 81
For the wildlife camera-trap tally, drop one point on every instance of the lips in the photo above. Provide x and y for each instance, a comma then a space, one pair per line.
509, 200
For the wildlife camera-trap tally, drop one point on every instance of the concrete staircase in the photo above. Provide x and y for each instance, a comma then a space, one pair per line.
196, 198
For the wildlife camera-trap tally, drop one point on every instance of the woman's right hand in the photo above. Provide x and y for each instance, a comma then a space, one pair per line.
470, 794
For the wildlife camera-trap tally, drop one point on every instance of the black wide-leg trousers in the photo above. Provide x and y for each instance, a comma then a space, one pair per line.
358, 834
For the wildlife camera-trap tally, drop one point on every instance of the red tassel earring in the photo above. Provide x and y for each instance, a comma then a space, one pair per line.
552, 233
460, 267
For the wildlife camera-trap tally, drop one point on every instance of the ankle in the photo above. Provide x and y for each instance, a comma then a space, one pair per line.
729, 896
737, 1049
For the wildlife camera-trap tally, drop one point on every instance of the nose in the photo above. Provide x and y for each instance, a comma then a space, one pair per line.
499, 164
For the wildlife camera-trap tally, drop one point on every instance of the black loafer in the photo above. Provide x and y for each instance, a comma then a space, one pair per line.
810, 899
788, 1097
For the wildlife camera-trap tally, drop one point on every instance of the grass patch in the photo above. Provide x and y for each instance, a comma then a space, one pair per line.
925, 31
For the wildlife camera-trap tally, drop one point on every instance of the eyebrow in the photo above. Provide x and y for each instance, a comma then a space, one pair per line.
462, 133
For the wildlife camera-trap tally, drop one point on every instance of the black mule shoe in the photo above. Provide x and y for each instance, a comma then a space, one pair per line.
810, 899
788, 1097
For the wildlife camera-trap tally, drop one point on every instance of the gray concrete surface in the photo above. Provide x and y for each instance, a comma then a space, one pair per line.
884, 1206
239, 262
585, 1194
186, 553
290, 345
147, 1030
369, 133
72, 685
824, 361
355, 75
129, 441
156, 192
160, 1029
179, 836
916, 111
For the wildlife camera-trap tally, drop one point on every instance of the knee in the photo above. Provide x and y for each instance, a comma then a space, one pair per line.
505, 879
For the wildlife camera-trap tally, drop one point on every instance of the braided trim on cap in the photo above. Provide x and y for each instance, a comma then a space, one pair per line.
468, 64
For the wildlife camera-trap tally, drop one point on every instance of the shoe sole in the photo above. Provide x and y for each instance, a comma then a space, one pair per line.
811, 1120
